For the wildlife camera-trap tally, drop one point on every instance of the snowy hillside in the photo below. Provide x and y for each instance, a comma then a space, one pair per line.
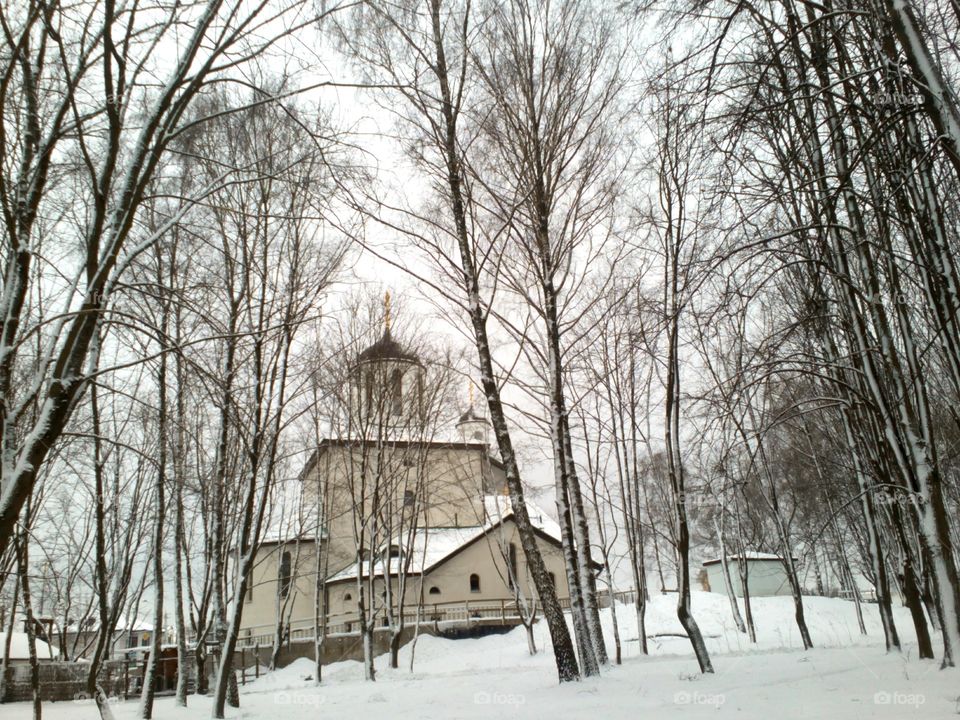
846, 677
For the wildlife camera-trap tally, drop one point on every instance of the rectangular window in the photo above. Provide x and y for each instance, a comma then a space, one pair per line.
512, 565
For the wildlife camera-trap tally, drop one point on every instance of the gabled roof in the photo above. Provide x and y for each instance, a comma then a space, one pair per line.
20, 647
430, 547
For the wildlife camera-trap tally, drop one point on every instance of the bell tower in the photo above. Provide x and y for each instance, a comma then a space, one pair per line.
387, 380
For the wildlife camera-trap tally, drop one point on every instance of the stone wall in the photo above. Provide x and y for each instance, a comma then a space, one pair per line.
337, 648
61, 681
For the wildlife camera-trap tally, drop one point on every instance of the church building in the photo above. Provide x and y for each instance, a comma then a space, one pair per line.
409, 517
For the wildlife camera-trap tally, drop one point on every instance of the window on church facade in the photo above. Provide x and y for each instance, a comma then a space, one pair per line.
285, 574
396, 391
475, 583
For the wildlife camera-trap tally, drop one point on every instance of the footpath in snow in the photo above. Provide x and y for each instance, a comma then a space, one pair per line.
846, 677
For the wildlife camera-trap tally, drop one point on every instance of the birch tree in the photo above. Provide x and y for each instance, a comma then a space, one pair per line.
425, 54
82, 84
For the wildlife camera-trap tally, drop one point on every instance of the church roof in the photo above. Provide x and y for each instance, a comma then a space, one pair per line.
432, 546
386, 348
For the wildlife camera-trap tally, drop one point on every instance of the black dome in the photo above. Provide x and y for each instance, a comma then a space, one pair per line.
470, 416
386, 348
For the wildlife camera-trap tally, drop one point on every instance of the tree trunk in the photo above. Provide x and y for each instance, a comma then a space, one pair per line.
743, 570
8, 639
618, 659
567, 668
573, 550
366, 632
727, 584
395, 650
913, 601
20, 548
101, 581
179, 530
940, 99
588, 580
675, 469
153, 662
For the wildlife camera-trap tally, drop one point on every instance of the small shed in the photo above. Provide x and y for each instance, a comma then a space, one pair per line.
765, 574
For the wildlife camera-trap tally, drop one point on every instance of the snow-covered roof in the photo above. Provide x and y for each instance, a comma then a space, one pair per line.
430, 546
748, 555
93, 625
499, 507
20, 648
433, 545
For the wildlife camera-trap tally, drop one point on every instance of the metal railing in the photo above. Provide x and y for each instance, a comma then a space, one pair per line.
467, 613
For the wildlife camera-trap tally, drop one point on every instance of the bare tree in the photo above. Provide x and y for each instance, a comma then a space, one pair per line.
425, 53
683, 245
553, 75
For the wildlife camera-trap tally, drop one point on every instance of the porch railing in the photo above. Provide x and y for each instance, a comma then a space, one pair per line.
467, 613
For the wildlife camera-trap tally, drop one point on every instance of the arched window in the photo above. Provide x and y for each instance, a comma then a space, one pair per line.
396, 390
512, 566
347, 597
434, 590
285, 573
474, 583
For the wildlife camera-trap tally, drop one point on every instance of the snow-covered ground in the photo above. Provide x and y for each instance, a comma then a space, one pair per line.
847, 676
